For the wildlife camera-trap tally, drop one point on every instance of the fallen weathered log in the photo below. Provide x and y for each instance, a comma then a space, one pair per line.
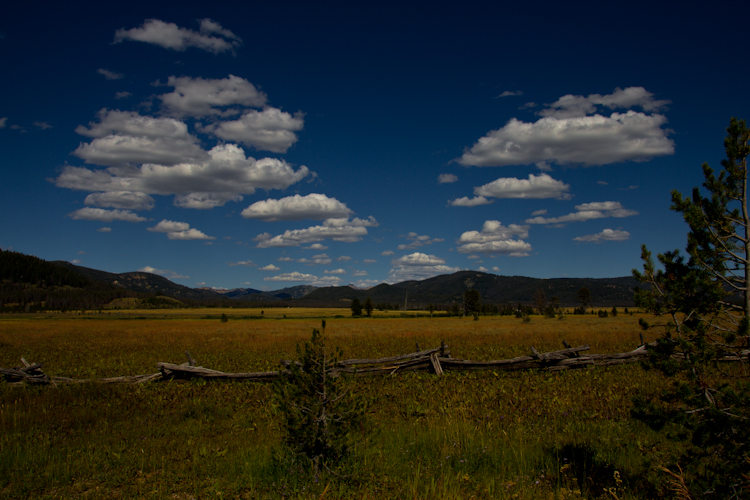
350, 362
172, 370
14, 375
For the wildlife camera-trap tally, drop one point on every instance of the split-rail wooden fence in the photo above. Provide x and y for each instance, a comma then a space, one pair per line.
436, 360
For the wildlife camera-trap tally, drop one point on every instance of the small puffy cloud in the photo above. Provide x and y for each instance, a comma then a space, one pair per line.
103, 215
605, 235
447, 178
417, 241
510, 93
268, 130
343, 258
317, 246
105, 229
284, 259
123, 95
199, 97
327, 281
362, 284
496, 269
246, 263
336, 271
42, 125
110, 75
121, 199
494, 238
163, 272
3, 121
470, 202
359, 273
369, 261
539, 212
316, 260
75, 261
535, 187
172, 37
169, 226
190, 234
270, 267
387, 252
571, 106
482, 269
313, 206
179, 231
205, 201
418, 266
294, 276
603, 183
587, 211
342, 229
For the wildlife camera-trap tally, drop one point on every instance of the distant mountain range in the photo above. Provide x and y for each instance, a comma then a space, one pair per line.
141, 282
439, 290
450, 288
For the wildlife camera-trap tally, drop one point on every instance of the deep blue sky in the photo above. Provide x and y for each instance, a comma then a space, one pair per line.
270, 145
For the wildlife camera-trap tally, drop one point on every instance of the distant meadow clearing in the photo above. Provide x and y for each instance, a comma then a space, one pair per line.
477, 434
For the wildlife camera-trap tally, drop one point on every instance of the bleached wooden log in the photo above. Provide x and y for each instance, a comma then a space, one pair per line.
197, 371
350, 362
435, 361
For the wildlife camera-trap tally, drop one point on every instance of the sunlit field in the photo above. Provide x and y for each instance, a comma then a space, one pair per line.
464, 435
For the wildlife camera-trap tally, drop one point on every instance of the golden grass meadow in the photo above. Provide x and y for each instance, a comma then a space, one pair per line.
480, 434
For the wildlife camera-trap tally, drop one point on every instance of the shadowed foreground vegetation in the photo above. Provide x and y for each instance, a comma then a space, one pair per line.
466, 434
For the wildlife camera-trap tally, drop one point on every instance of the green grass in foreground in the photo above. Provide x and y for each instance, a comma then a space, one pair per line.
465, 435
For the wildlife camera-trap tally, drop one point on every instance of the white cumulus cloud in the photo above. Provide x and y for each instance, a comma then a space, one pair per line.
179, 231
313, 206
170, 36
447, 178
316, 260
246, 263
268, 130
336, 271
571, 106
587, 211
122, 138
200, 97
605, 235
535, 187
103, 215
270, 267
293, 276
342, 229
572, 131
127, 200
494, 238
470, 202
418, 266
224, 175
417, 241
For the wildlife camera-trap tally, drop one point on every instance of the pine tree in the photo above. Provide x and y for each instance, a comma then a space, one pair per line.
356, 307
706, 301
319, 409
